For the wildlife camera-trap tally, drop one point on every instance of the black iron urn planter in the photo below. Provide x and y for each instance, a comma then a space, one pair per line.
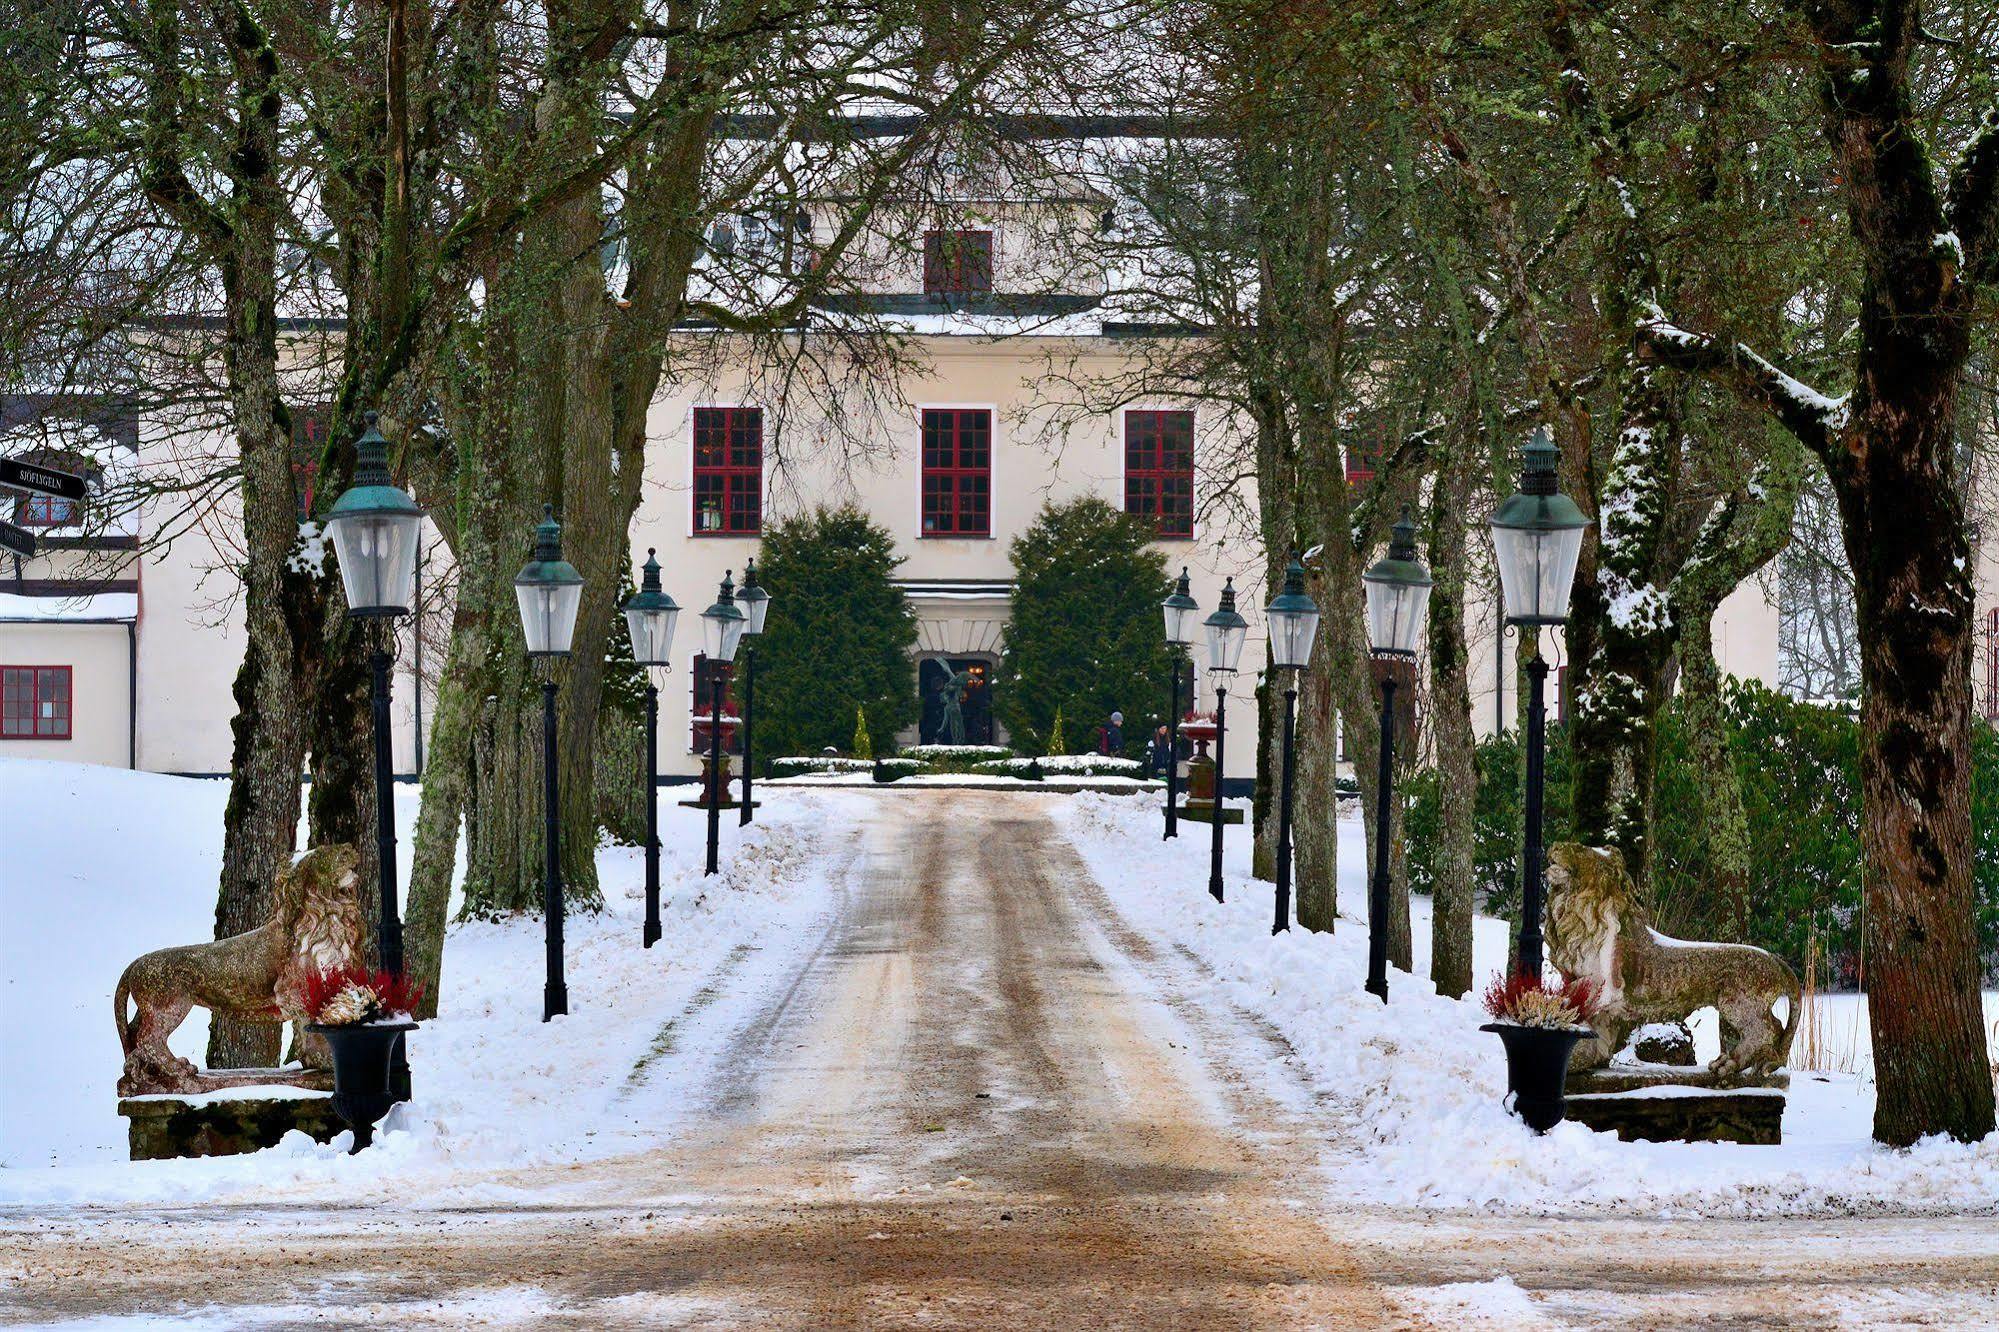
362, 1088
1537, 1067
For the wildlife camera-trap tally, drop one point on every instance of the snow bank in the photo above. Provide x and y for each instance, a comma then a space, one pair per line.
1412, 1089
103, 864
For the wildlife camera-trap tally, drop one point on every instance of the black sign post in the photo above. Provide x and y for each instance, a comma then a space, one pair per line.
40, 480
19, 540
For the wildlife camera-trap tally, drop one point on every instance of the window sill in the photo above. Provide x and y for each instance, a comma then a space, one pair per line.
723, 536
954, 536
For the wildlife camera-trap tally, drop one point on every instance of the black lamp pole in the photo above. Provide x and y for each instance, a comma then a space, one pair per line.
390, 938
1532, 857
1173, 752
1220, 810
1377, 895
1283, 921
749, 714
715, 784
555, 991
652, 926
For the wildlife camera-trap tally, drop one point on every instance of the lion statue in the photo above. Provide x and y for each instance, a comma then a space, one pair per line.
315, 925
1598, 930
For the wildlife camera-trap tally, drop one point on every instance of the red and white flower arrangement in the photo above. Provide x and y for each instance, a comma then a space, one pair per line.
1526, 1001
344, 996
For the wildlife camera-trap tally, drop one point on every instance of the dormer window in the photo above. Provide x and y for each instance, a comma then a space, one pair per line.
957, 263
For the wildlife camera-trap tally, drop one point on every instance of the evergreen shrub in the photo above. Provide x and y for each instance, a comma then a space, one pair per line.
1084, 639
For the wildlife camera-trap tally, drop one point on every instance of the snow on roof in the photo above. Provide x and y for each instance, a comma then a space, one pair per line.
94, 608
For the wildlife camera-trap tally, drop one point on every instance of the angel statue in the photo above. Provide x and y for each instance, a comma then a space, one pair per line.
951, 722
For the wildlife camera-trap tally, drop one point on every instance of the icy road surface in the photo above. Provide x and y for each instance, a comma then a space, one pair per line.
984, 1099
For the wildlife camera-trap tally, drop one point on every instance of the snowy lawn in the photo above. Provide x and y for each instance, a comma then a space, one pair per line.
1416, 1087
102, 865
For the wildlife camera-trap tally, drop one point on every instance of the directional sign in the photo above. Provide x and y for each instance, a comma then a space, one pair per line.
18, 540
40, 480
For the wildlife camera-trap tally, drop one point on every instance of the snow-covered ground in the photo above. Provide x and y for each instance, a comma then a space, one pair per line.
101, 865
1414, 1088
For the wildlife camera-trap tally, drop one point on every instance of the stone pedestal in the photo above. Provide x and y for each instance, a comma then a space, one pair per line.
1674, 1113
225, 1123
1674, 1103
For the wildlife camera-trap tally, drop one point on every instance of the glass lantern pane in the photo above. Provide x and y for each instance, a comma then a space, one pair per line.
548, 615
652, 635
1537, 571
1225, 646
1179, 625
1291, 637
377, 555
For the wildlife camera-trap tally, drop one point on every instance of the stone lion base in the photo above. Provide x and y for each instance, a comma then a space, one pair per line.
1679, 1113
225, 1123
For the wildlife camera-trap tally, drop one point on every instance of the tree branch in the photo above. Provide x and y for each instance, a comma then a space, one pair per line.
1813, 417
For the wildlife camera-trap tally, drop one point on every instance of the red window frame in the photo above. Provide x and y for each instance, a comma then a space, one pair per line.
957, 472
1361, 460
1992, 664
701, 680
728, 470
22, 707
957, 263
46, 511
1159, 469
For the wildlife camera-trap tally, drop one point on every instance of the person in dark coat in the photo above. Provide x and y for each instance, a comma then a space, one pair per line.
1110, 739
1159, 754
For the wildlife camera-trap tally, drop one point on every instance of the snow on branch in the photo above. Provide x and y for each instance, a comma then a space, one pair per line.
1814, 417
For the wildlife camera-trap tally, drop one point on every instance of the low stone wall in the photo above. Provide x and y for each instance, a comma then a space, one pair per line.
227, 1123
1753, 1115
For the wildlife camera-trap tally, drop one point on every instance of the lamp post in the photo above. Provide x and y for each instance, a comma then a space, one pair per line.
651, 615
1398, 596
722, 626
374, 528
1180, 609
1227, 631
1294, 624
1537, 536
755, 604
549, 591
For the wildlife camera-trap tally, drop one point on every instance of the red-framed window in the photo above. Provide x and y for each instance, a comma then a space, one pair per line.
1362, 458
1992, 664
702, 707
957, 263
1159, 469
728, 471
957, 472
34, 702
46, 511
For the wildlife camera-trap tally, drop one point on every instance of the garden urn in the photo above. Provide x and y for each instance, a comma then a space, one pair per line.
362, 1088
1537, 1067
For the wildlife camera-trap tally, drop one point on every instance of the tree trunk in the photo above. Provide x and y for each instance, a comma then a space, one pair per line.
1316, 833
1454, 895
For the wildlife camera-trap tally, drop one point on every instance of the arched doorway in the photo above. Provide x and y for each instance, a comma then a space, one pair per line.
975, 698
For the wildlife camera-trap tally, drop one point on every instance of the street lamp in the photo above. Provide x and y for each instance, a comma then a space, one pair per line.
755, 604
651, 615
374, 528
1294, 624
1227, 631
1537, 536
722, 626
1398, 596
549, 591
1180, 610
